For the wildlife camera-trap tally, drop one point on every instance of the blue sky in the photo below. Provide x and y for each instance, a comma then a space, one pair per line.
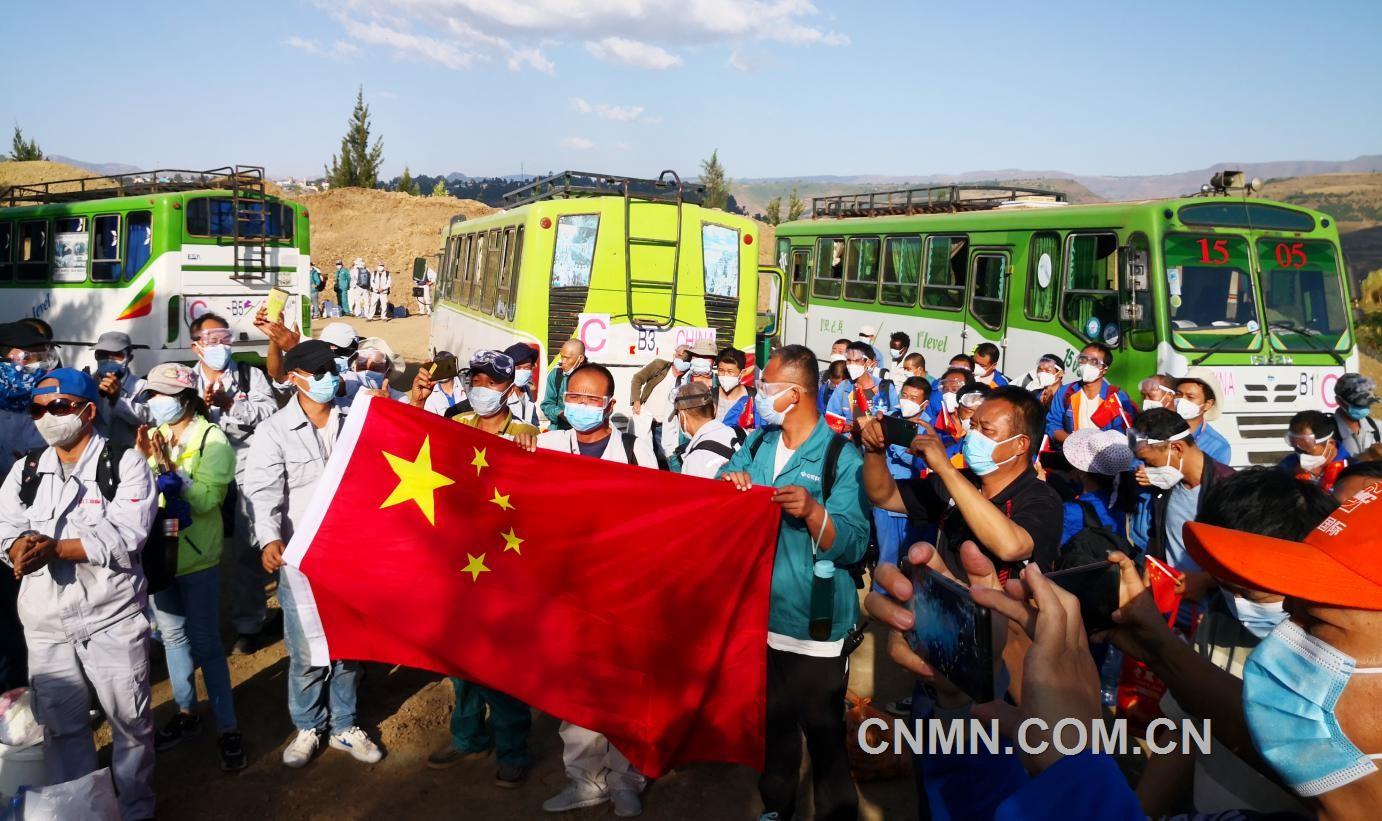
780, 87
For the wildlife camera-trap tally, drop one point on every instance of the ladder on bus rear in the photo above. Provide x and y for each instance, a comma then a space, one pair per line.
251, 224
642, 275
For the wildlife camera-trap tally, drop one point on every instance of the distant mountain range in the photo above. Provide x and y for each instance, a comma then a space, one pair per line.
102, 168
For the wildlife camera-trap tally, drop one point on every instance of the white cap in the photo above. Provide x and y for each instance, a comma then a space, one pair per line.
376, 344
868, 331
339, 334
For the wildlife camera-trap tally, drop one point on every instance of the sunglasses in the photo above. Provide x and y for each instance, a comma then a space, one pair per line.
58, 407
322, 371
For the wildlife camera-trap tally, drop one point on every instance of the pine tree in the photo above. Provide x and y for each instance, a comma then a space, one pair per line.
773, 213
795, 206
407, 184
439, 190
715, 182
358, 163
23, 150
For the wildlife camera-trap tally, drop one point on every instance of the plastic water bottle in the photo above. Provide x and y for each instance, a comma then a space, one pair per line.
822, 600
1109, 674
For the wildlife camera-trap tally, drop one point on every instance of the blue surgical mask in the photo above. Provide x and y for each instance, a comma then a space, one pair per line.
1291, 683
216, 357
763, 403
342, 364
1258, 617
522, 377
978, 450
584, 418
681, 365
106, 367
1357, 414
488, 401
371, 379
322, 389
165, 409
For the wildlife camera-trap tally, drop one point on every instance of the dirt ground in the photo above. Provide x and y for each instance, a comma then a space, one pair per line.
408, 712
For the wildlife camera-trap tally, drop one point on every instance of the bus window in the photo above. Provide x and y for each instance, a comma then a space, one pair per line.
784, 248
280, 221
33, 251
1041, 276
574, 253
987, 303
508, 289
720, 255
801, 276
105, 248
901, 270
215, 217
494, 268
462, 293
6, 251
861, 269
1139, 318
830, 265
1302, 293
71, 249
478, 269
944, 286
1089, 306
1210, 292
139, 241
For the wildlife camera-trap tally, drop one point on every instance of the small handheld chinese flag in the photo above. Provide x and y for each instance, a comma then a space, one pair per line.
625, 600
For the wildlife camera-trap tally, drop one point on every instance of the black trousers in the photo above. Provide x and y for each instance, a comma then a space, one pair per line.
806, 696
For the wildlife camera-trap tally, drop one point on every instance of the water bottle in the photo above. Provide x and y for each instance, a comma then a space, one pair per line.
822, 600
1109, 673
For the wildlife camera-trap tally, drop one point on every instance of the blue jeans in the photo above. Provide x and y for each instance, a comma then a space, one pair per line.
188, 616
891, 530
318, 697
506, 728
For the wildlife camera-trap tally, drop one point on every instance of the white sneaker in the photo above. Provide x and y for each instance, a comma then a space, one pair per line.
578, 794
301, 750
358, 744
626, 803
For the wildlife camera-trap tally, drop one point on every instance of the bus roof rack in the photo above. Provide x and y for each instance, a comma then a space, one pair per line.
936, 199
243, 180
668, 187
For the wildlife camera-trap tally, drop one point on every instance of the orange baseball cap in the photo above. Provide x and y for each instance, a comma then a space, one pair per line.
1337, 564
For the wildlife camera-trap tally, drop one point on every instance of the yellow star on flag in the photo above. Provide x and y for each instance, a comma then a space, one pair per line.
501, 500
511, 542
417, 482
479, 460
475, 567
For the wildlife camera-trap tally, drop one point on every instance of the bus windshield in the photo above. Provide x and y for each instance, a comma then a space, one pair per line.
1210, 292
1303, 294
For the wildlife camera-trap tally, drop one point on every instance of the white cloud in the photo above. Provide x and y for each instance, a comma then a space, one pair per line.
605, 111
532, 57
406, 45
623, 51
581, 105
578, 144
738, 63
309, 46
344, 49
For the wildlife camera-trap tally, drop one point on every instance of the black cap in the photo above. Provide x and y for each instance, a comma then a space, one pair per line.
309, 356
22, 334
495, 365
521, 353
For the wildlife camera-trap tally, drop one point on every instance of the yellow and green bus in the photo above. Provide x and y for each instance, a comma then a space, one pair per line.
630, 267
146, 253
1252, 289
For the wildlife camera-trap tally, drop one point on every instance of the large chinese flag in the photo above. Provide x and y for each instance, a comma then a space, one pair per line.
622, 599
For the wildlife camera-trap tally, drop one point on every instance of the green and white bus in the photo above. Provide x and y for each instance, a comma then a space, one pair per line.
149, 252
630, 267
1254, 290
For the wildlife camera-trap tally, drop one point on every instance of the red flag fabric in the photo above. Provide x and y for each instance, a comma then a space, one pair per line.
622, 599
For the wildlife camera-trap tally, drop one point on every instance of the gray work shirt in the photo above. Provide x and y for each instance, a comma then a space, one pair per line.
252, 403
119, 420
286, 459
72, 601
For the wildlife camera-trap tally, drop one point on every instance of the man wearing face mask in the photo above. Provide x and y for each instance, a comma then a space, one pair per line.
734, 401
598, 772
380, 284
1044, 381
1358, 432
1316, 457
944, 405
285, 463
865, 394
1091, 401
1199, 405
1267, 503
28, 356
522, 402
554, 395
119, 411
986, 356
238, 398
491, 382
654, 385
898, 346
73, 519
824, 529
1180, 476
702, 369
869, 336
890, 527
1311, 687
712, 442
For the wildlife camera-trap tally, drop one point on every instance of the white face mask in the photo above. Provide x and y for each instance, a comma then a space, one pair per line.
1088, 373
897, 355
855, 371
1188, 410
728, 383
1164, 477
980, 371
950, 401
964, 425
1042, 379
1309, 461
909, 408
60, 431
1150, 404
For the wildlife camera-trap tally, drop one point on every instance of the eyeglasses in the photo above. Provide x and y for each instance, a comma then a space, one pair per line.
216, 336
776, 388
1089, 360
587, 399
58, 407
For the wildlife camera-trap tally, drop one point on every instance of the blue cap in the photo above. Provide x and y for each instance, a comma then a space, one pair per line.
71, 382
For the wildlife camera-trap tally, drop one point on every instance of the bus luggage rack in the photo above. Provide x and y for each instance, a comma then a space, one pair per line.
937, 199
243, 181
668, 187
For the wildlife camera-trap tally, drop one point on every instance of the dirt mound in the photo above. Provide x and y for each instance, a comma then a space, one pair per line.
36, 171
381, 226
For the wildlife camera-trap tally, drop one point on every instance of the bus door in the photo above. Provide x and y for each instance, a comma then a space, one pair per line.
987, 309
795, 307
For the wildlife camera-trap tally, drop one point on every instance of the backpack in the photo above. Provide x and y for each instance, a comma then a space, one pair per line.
717, 448
630, 438
1093, 543
159, 554
362, 278
318, 280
